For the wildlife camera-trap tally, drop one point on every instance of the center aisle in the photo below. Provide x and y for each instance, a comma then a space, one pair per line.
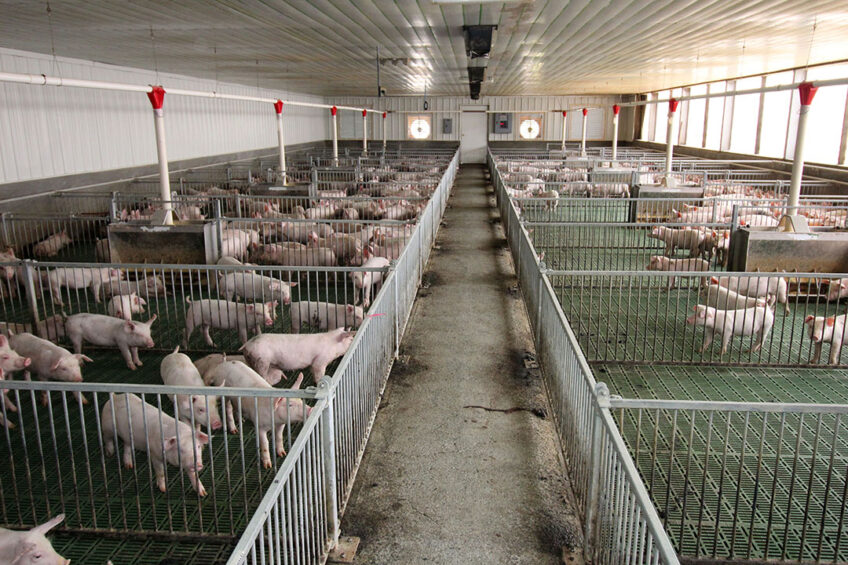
442, 480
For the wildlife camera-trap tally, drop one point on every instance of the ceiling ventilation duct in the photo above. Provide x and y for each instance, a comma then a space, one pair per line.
476, 74
475, 90
478, 40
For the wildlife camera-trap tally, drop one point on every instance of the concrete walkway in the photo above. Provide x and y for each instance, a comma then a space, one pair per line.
442, 482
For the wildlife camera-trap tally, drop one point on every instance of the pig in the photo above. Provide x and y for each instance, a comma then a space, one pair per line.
271, 354
177, 369
348, 214
51, 246
345, 246
246, 235
49, 361
299, 231
662, 263
700, 216
723, 298
51, 328
125, 305
728, 323
80, 277
8, 256
230, 261
224, 314
132, 417
206, 364
325, 316
266, 413
402, 211
759, 287
321, 212
189, 212
836, 289
234, 247
830, 330
30, 547
10, 362
365, 281
107, 331
686, 238
252, 287
149, 286
102, 253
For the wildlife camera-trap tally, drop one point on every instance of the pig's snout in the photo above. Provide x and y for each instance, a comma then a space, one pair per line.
217, 425
150, 343
269, 322
287, 301
77, 379
816, 338
691, 320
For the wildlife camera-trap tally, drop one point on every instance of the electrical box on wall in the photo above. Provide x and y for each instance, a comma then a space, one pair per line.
503, 123
447, 125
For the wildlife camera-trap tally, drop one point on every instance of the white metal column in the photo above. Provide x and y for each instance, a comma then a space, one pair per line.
278, 107
615, 110
157, 99
806, 92
335, 111
384, 132
364, 132
583, 138
564, 113
669, 132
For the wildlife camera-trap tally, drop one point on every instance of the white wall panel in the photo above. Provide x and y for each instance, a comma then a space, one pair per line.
599, 126
50, 131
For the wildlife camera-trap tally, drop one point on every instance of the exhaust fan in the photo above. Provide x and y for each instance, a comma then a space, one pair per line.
478, 40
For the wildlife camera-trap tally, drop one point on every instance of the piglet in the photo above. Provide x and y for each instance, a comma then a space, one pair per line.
50, 361
365, 282
106, 331
325, 315
129, 421
30, 547
836, 289
80, 277
271, 354
253, 287
207, 363
265, 413
662, 263
830, 330
728, 323
10, 362
177, 369
223, 314
51, 246
125, 305
723, 298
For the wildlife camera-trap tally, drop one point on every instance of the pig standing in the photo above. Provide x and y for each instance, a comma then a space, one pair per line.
128, 422
50, 361
365, 281
345, 246
265, 413
673, 238
662, 263
759, 287
124, 306
325, 315
830, 330
177, 369
10, 362
30, 547
271, 354
728, 323
836, 289
149, 286
51, 246
207, 363
80, 277
107, 331
223, 314
723, 298
252, 287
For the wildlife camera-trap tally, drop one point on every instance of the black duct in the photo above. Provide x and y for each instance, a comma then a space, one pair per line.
476, 74
478, 40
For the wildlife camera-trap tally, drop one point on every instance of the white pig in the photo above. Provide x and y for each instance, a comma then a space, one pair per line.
10, 362
107, 331
207, 363
365, 281
51, 246
49, 361
129, 421
836, 289
686, 238
830, 330
728, 323
265, 413
662, 263
271, 354
759, 287
325, 315
723, 298
125, 305
80, 277
223, 314
177, 369
252, 287
30, 547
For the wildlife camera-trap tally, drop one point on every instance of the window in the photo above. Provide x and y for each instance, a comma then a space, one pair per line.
662, 116
824, 122
743, 132
419, 127
775, 116
648, 118
695, 124
530, 127
715, 116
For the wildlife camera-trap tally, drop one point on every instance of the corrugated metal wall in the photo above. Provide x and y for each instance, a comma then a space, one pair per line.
50, 131
599, 125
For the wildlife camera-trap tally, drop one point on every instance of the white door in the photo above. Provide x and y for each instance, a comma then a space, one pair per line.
473, 139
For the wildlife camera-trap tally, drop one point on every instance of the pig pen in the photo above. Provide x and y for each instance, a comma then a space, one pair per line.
251, 513
742, 455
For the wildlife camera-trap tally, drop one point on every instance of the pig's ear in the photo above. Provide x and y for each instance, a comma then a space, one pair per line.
4, 342
55, 365
48, 525
809, 319
82, 357
250, 308
120, 314
170, 443
830, 321
297, 381
152, 319
130, 326
278, 401
292, 284
713, 280
349, 308
844, 283
202, 438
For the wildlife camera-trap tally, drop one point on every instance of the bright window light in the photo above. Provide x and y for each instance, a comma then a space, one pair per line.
530, 127
418, 127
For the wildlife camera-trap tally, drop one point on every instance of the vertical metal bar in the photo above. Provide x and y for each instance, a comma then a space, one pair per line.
593, 495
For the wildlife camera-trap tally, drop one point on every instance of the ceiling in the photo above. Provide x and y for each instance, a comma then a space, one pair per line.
328, 47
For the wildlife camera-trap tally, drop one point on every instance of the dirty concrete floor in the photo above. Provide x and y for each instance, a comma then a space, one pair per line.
442, 482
